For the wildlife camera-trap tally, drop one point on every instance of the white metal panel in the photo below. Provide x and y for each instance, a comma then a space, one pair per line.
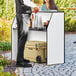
45, 16
36, 35
55, 39
14, 40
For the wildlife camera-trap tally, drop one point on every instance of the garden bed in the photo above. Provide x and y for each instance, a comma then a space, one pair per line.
70, 32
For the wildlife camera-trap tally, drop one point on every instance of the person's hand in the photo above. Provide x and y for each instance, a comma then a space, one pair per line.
35, 10
46, 23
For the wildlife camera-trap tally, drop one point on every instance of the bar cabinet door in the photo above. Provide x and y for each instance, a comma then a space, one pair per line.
55, 39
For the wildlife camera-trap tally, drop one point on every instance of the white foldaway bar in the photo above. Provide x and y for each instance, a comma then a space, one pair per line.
53, 35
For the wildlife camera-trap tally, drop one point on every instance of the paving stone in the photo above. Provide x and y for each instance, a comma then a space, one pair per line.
66, 69
36, 74
27, 70
73, 73
28, 74
19, 70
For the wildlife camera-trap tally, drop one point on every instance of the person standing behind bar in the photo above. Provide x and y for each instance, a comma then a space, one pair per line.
23, 13
49, 5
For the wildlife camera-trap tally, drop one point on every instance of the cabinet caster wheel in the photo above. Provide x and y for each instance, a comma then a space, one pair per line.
38, 59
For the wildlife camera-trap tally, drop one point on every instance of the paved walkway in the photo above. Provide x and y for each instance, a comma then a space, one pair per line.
66, 69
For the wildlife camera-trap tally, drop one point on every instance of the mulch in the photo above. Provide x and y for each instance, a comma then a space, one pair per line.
2, 52
67, 33
10, 68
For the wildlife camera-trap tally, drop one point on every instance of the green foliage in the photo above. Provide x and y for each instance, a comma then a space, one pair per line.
1, 69
70, 15
2, 73
1, 1
5, 46
5, 30
7, 14
38, 1
7, 9
3, 62
1, 46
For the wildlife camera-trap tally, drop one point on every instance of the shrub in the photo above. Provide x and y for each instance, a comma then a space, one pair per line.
5, 30
5, 46
70, 15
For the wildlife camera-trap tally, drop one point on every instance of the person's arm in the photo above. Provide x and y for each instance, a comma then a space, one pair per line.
46, 23
29, 3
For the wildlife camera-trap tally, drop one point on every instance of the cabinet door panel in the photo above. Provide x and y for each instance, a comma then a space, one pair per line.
55, 39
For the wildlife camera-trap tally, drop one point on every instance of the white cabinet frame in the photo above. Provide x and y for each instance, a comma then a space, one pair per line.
54, 55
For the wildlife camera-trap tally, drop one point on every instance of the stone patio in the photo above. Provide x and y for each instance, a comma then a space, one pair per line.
66, 69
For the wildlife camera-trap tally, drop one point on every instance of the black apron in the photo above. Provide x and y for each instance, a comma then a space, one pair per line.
21, 10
